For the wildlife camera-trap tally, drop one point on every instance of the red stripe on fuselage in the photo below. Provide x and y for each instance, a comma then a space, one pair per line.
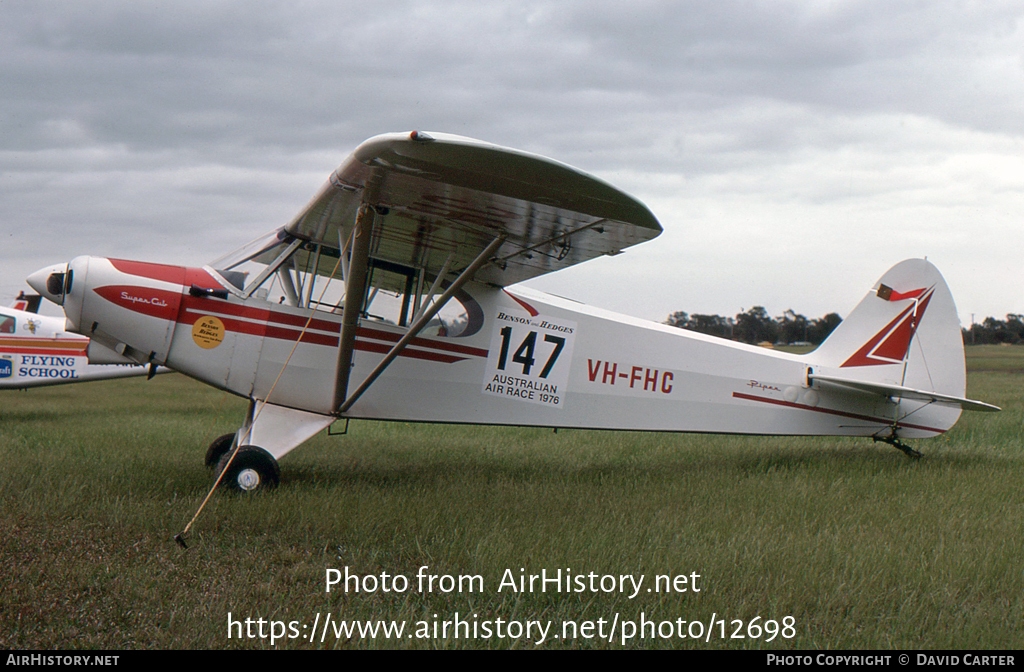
261, 329
196, 307
530, 309
262, 322
219, 307
73, 342
67, 352
178, 275
159, 303
422, 342
383, 348
829, 411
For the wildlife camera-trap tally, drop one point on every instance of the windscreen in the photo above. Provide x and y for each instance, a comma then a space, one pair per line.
281, 268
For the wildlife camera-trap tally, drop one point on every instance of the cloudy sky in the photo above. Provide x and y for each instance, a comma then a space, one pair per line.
793, 151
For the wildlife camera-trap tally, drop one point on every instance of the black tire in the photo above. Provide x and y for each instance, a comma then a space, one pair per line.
220, 445
252, 470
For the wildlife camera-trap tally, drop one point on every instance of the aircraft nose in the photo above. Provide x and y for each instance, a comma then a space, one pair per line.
51, 282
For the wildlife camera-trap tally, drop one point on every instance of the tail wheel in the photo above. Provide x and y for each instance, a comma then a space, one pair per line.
252, 469
220, 445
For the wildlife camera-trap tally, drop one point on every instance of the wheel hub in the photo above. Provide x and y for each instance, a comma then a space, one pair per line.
248, 479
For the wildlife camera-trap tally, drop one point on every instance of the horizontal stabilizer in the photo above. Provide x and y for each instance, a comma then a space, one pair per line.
902, 392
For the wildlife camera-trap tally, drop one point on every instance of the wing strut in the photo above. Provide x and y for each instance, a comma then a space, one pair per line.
418, 325
355, 293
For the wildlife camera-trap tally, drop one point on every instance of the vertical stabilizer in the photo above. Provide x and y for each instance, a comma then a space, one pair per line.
27, 302
905, 333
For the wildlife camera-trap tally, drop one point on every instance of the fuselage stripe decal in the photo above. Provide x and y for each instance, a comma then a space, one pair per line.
44, 346
210, 306
266, 323
422, 342
530, 309
362, 342
829, 411
256, 328
41, 351
370, 346
71, 344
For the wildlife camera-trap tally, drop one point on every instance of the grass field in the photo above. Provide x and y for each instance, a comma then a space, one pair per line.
861, 546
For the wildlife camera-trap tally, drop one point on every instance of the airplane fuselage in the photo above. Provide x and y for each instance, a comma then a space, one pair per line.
36, 350
523, 358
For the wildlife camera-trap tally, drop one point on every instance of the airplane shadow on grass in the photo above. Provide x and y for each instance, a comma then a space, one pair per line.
858, 460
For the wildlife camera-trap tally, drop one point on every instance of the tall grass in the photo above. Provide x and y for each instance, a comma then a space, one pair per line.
861, 546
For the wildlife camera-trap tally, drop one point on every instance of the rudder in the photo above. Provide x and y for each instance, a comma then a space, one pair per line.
905, 332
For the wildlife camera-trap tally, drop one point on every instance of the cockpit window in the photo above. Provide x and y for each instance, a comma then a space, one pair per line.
259, 268
235, 267
8, 324
280, 268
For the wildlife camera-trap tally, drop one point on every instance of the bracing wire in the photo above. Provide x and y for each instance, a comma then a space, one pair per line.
180, 537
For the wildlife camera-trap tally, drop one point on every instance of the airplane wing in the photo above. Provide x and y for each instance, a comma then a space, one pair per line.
445, 198
902, 392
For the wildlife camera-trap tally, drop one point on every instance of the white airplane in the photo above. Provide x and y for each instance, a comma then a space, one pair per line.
36, 350
438, 229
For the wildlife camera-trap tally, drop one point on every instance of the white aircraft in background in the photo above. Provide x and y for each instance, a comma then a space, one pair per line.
392, 296
36, 350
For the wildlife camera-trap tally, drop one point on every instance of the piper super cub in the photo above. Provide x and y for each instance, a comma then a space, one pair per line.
392, 296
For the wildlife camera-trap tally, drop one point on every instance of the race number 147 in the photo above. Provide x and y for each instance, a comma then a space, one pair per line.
526, 353
529, 359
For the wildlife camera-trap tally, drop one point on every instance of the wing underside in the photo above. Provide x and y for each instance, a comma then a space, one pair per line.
441, 199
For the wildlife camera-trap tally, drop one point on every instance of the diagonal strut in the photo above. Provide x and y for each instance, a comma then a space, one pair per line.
418, 325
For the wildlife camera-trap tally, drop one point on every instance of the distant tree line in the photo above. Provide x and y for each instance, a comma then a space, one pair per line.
757, 326
991, 330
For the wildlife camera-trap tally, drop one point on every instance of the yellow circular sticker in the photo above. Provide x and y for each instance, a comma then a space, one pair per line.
208, 332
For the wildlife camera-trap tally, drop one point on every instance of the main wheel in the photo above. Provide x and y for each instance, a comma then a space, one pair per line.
220, 445
253, 469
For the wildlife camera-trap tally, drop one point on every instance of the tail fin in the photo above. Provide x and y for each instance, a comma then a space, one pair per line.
27, 302
904, 332
903, 341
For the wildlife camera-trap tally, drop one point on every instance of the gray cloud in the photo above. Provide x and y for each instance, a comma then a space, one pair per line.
792, 150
